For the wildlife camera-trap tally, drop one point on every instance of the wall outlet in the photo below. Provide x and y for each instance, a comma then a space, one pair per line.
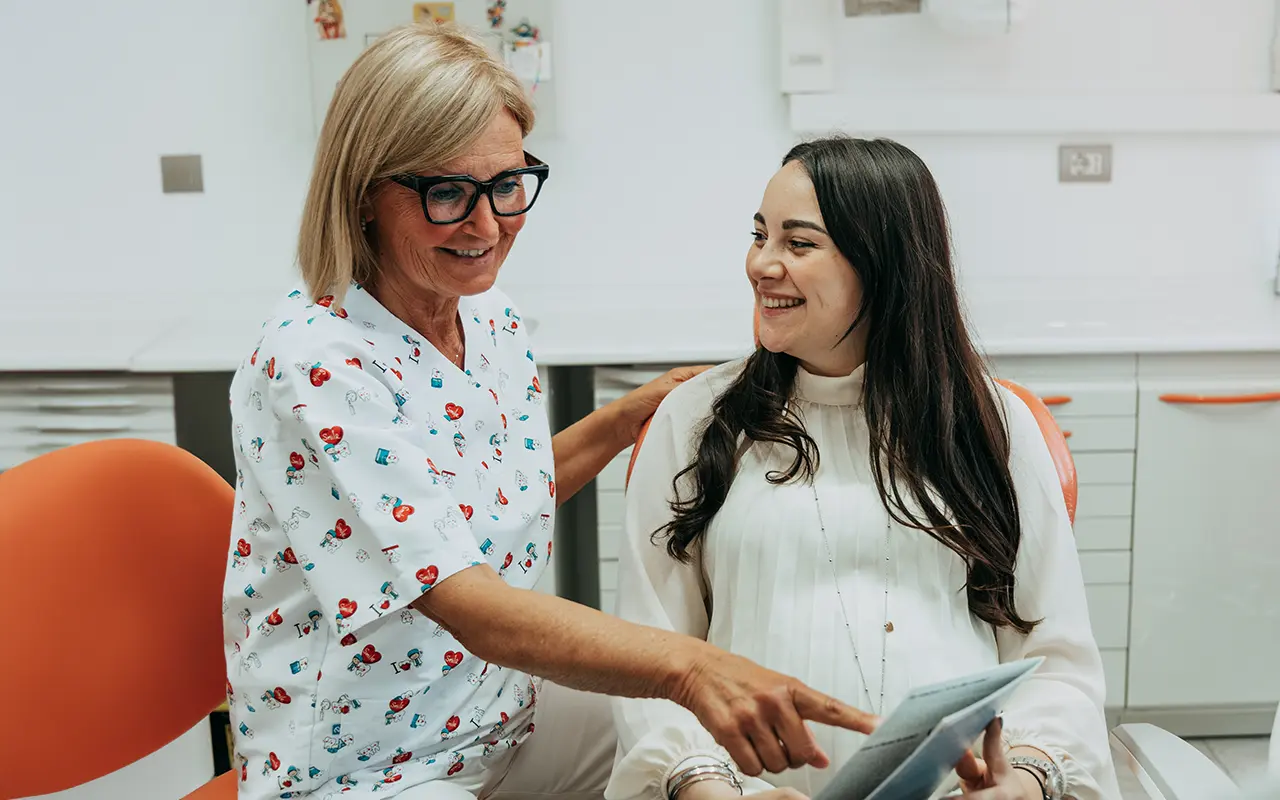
181, 174
1089, 163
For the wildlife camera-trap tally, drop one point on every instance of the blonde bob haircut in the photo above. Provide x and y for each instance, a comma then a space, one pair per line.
417, 98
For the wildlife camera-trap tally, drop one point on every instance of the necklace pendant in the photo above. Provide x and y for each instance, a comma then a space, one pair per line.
888, 627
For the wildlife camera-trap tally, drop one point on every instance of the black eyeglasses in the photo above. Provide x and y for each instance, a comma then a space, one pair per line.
451, 198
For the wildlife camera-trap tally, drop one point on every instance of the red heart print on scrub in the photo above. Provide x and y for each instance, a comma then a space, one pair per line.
341, 530
467, 511
347, 641
282, 696
453, 658
370, 655
456, 768
502, 498
243, 548
398, 704
507, 561
452, 724
355, 362
537, 387
428, 575
319, 375
401, 513
274, 618
271, 368
453, 412
325, 301
400, 758
331, 435
347, 607
274, 759
289, 557
297, 461
396, 372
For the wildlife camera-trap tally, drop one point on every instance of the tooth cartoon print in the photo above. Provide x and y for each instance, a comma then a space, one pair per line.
353, 431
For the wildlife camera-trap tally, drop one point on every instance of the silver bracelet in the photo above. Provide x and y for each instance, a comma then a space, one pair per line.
719, 772
1055, 785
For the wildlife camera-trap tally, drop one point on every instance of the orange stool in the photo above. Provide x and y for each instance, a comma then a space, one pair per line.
114, 553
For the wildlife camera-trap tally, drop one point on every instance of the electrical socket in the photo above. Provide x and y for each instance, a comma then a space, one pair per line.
1084, 163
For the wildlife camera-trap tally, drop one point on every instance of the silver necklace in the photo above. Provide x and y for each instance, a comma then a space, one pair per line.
888, 626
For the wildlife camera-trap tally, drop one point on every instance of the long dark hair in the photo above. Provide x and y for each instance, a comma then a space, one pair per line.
937, 428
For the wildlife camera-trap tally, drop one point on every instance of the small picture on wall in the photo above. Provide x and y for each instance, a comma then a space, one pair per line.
433, 12
329, 23
858, 8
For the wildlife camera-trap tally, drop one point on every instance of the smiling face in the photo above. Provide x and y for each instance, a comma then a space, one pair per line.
459, 259
807, 293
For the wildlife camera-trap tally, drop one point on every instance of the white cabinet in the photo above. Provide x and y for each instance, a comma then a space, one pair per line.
40, 412
1206, 547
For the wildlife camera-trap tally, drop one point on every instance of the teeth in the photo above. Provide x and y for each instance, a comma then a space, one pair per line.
468, 253
780, 302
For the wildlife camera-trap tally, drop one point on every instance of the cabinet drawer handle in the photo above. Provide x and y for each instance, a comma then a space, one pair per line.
1056, 400
1232, 399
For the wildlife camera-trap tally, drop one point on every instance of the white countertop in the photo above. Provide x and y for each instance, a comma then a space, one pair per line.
588, 326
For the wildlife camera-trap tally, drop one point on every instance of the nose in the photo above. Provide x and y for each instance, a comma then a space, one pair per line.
482, 222
763, 264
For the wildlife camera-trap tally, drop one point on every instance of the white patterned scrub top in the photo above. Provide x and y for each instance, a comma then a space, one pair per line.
370, 469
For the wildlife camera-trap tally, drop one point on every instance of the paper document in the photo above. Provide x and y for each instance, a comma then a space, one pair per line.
916, 747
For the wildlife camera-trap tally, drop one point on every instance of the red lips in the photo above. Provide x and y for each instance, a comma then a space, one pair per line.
331, 435
347, 607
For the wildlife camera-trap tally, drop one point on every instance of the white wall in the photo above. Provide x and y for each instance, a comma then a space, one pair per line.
91, 94
669, 121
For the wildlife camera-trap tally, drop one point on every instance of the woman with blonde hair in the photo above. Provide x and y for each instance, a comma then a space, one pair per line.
397, 483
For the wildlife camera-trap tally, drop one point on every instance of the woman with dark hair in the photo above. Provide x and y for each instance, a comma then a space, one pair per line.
858, 504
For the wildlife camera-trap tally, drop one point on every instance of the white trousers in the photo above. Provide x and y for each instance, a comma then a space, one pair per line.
569, 756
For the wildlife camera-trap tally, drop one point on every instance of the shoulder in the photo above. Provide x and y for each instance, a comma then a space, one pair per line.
311, 343
690, 403
1029, 455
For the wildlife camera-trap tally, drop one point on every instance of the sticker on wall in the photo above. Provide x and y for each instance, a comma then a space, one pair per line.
329, 22
496, 10
433, 12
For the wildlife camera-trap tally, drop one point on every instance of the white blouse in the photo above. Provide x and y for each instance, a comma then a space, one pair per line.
762, 586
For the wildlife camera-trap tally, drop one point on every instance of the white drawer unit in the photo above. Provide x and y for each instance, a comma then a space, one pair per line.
43, 412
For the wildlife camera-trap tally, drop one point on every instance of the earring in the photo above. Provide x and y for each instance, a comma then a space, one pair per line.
364, 225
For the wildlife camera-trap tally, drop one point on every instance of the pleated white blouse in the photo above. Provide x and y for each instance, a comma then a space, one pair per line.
762, 586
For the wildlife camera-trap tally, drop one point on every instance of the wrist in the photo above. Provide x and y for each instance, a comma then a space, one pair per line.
681, 673
1029, 785
708, 790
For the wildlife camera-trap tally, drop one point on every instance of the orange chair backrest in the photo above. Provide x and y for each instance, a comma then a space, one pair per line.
112, 556
1053, 437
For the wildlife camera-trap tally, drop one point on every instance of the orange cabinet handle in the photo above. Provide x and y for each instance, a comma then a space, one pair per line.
1060, 400
1200, 399
1066, 434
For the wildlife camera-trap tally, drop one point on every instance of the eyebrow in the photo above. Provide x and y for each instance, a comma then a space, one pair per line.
791, 224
